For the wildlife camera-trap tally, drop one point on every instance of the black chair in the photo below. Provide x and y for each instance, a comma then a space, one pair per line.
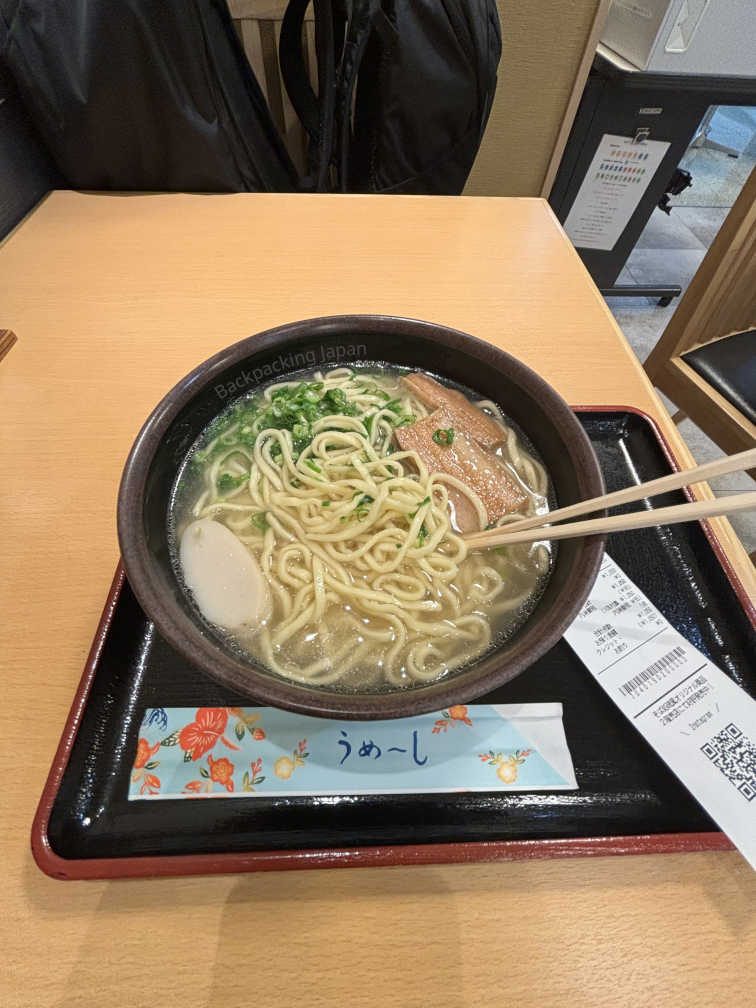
729, 366
705, 360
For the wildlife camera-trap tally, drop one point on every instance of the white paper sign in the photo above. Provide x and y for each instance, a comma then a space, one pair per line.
695, 717
616, 180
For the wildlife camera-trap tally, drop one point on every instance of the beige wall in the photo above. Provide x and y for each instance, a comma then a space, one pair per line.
543, 42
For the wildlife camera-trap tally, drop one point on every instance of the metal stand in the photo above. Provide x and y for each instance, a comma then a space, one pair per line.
665, 294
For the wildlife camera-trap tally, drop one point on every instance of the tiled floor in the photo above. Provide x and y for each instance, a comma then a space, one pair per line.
717, 178
670, 250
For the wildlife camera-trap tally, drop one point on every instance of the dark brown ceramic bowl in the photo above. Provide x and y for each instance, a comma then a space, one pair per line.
177, 421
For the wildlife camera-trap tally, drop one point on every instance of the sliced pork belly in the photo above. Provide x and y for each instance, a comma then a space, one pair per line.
467, 417
482, 472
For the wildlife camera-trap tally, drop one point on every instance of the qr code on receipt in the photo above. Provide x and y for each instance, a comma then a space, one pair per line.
734, 754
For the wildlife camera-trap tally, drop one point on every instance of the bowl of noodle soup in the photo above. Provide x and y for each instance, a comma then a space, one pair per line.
292, 517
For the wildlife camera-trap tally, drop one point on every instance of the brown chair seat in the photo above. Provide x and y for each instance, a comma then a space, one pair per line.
729, 366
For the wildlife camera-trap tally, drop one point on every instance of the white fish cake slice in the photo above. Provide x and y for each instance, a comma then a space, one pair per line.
223, 576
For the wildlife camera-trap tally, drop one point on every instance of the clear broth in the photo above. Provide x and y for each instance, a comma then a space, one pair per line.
346, 626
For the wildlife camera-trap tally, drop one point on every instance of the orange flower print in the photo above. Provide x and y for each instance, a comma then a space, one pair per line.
221, 771
506, 766
459, 713
142, 763
198, 743
455, 713
144, 752
150, 784
201, 735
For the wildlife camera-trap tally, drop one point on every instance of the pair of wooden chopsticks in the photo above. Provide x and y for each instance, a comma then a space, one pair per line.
7, 339
542, 526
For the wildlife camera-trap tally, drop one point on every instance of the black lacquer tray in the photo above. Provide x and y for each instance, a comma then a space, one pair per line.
628, 801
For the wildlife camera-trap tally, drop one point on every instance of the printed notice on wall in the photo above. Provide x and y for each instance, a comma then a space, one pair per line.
616, 180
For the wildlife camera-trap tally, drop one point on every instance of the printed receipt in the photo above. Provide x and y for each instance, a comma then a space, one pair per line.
695, 717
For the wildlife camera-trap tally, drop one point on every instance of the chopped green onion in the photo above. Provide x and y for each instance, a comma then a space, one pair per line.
421, 504
362, 508
444, 437
260, 521
227, 482
336, 397
312, 465
325, 503
422, 536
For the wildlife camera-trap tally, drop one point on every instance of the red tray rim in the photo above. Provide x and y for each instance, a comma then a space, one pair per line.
364, 857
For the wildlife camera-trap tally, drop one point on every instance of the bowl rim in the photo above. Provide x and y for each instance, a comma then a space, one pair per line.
194, 644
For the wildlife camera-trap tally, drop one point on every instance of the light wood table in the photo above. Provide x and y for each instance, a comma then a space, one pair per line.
113, 300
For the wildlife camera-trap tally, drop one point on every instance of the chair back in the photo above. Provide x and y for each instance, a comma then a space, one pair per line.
258, 25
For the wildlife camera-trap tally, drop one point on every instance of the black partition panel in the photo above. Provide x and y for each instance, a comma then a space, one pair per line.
26, 169
622, 102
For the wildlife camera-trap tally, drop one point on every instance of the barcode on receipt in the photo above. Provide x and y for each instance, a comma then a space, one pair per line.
654, 672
